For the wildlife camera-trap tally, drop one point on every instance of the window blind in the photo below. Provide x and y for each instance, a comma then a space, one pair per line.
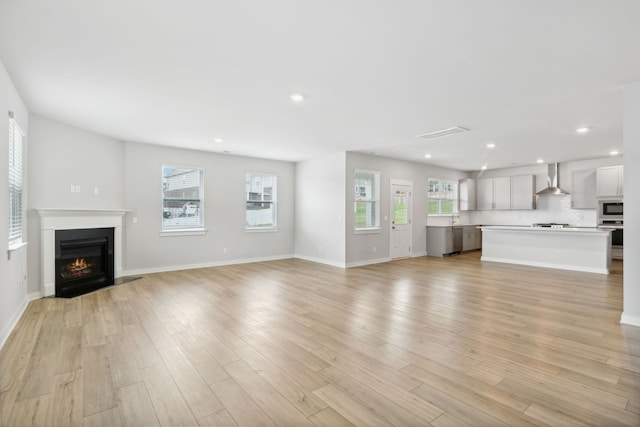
260, 195
366, 195
182, 198
16, 137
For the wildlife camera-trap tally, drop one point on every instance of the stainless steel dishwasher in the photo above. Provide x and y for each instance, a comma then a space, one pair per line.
457, 239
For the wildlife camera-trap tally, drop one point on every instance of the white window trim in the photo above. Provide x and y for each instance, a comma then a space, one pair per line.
19, 242
455, 198
184, 232
270, 229
190, 231
368, 230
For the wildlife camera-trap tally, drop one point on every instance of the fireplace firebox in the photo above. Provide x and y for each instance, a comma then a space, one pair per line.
84, 260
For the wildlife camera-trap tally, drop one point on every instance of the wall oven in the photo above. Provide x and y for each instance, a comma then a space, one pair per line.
611, 216
610, 210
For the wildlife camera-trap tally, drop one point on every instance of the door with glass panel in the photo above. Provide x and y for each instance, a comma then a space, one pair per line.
400, 219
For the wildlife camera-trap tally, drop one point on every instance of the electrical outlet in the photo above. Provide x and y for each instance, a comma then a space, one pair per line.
319, 249
224, 250
375, 249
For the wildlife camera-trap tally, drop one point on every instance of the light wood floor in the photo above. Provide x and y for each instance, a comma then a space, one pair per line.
423, 341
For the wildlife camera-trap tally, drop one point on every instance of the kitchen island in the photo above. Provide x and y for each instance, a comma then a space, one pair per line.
569, 248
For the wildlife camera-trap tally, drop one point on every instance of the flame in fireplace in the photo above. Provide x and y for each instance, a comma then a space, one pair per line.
77, 268
79, 264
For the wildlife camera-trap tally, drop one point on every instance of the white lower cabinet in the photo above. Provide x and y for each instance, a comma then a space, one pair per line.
445, 240
471, 238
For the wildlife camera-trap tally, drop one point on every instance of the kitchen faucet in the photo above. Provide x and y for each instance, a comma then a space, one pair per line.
455, 218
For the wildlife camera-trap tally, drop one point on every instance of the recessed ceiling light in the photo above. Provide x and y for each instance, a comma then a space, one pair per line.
296, 97
539, 161
491, 145
583, 130
484, 167
427, 156
218, 140
613, 153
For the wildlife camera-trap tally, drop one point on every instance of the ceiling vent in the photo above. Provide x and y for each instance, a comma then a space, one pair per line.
443, 132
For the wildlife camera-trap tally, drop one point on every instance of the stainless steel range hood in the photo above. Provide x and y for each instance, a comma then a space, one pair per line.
552, 182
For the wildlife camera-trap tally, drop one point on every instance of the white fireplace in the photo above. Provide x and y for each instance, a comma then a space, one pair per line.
52, 219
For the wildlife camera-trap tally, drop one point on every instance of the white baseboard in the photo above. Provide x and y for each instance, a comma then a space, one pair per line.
630, 320
368, 262
137, 271
419, 254
547, 265
13, 321
321, 261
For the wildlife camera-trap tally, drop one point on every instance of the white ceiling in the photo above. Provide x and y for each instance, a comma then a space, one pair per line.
376, 73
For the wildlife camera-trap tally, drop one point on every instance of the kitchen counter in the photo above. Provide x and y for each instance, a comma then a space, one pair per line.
453, 225
547, 229
570, 248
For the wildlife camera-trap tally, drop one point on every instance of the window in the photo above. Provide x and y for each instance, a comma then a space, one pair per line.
260, 192
15, 182
441, 198
366, 200
182, 198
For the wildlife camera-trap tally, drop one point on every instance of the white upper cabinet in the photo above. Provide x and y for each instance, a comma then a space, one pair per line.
467, 197
502, 193
610, 181
583, 190
494, 193
523, 192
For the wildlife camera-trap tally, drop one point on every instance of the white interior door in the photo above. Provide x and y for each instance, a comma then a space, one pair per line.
400, 202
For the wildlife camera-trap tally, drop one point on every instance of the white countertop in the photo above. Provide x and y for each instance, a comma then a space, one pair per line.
454, 225
547, 229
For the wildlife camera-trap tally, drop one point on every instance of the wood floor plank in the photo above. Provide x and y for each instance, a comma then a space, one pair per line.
384, 405
98, 392
141, 346
193, 387
241, 407
419, 341
107, 418
219, 419
303, 399
41, 368
170, 406
30, 412
136, 407
328, 417
124, 368
69, 356
276, 406
348, 407
65, 401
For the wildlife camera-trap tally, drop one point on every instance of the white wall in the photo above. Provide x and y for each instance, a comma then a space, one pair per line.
320, 209
13, 286
360, 246
631, 311
61, 156
548, 208
224, 211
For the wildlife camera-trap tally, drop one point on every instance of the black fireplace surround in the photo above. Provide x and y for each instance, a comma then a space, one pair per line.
84, 261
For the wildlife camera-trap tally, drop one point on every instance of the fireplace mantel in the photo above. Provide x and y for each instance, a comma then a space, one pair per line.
52, 219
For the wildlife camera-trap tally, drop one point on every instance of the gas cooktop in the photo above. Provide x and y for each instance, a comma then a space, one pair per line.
549, 225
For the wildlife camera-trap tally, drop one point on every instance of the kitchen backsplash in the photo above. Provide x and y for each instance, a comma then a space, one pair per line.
549, 209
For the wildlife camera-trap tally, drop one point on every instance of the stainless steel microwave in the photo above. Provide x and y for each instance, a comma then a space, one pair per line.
613, 209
